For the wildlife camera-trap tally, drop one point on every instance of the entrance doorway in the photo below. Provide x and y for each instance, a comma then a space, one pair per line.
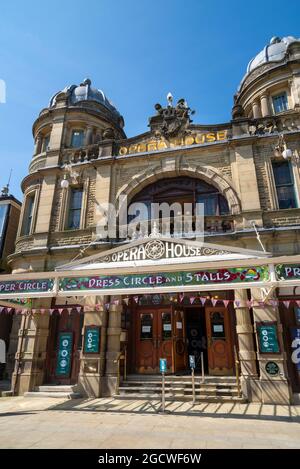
175, 332
196, 340
63, 349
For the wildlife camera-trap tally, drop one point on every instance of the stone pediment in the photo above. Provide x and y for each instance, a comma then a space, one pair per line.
161, 251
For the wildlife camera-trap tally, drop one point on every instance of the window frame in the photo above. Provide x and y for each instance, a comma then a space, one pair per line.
33, 194
73, 131
278, 95
291, 184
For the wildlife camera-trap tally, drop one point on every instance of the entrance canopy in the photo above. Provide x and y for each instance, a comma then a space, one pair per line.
157, 266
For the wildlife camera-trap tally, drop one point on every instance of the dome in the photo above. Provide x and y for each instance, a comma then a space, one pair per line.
273, 52
85, 92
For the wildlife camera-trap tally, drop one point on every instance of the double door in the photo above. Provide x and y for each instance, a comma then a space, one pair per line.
159, 334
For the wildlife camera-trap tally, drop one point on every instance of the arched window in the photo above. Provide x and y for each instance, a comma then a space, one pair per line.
183, 190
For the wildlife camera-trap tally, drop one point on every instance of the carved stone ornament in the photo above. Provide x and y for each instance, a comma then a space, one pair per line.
171, 121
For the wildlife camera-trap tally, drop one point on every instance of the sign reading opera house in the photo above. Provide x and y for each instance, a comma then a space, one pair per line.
161, 296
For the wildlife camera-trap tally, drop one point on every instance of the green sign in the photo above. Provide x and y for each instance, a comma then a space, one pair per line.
272, 368
92, 339
166, 279
64, 355
267, 337
287, 271
26, 286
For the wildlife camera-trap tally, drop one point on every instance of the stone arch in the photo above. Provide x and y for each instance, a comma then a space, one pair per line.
205, 173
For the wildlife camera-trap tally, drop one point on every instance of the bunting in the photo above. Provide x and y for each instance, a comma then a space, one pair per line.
172, 298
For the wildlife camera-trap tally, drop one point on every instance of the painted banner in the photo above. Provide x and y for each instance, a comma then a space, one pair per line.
267, 337
26, 286
91, 339
200, 277
64, 355
287, 271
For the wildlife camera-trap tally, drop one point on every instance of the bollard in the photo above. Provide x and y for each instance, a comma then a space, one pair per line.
163, 392
202, 367
193, 386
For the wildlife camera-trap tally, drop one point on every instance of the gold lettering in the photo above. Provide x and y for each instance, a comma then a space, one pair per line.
133, 148
152, 146
123, 151
210, 137
222, 135
161, 145
142, 147
200, 138
189, 140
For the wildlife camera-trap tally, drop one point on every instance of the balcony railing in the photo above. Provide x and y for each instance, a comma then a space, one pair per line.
181, 227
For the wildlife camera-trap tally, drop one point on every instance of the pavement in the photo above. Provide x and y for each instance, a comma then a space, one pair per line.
111, 423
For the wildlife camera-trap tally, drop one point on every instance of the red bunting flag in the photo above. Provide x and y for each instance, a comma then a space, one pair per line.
237, 303
60, 310
214, 301
192, 299
136, 299
287, 303
203, 300
181, 297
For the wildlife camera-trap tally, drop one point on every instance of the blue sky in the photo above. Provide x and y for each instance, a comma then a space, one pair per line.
135, 50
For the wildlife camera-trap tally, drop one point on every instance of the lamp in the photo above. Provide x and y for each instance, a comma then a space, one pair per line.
64, 183
281, 148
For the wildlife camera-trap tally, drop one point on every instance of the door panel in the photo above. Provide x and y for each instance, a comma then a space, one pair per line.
60, 323
153, 339
220, 355
179, 345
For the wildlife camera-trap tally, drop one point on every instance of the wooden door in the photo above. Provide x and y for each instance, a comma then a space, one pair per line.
69, 325
219, 342
179, 342
153, 339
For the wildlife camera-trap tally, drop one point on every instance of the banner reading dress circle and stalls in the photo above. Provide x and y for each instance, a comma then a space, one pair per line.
167, 279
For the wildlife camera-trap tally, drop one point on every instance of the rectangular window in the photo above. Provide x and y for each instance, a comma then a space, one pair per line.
46, 143
284, 184
77, 138
28, 214
280, 103
75, 209
3, 215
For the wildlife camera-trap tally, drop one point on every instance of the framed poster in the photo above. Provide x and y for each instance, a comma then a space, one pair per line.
267, 337
64, 354
91, 342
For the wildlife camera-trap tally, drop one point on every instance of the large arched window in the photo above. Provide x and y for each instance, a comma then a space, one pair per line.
184, 190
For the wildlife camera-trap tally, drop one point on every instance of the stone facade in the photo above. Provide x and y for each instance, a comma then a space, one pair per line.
236, 158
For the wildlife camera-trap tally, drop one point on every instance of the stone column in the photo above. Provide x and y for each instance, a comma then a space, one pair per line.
88, 135
264, 103
256, 110
113, 345
272, 389
92, 366
13, 344
31, 351
247, 353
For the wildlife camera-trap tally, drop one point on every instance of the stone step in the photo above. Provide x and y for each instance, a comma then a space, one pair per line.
185, 398
177, 391
57, 388
169, 384
55, 394
168, 378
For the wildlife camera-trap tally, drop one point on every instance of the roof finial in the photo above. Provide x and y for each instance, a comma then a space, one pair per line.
5, 189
